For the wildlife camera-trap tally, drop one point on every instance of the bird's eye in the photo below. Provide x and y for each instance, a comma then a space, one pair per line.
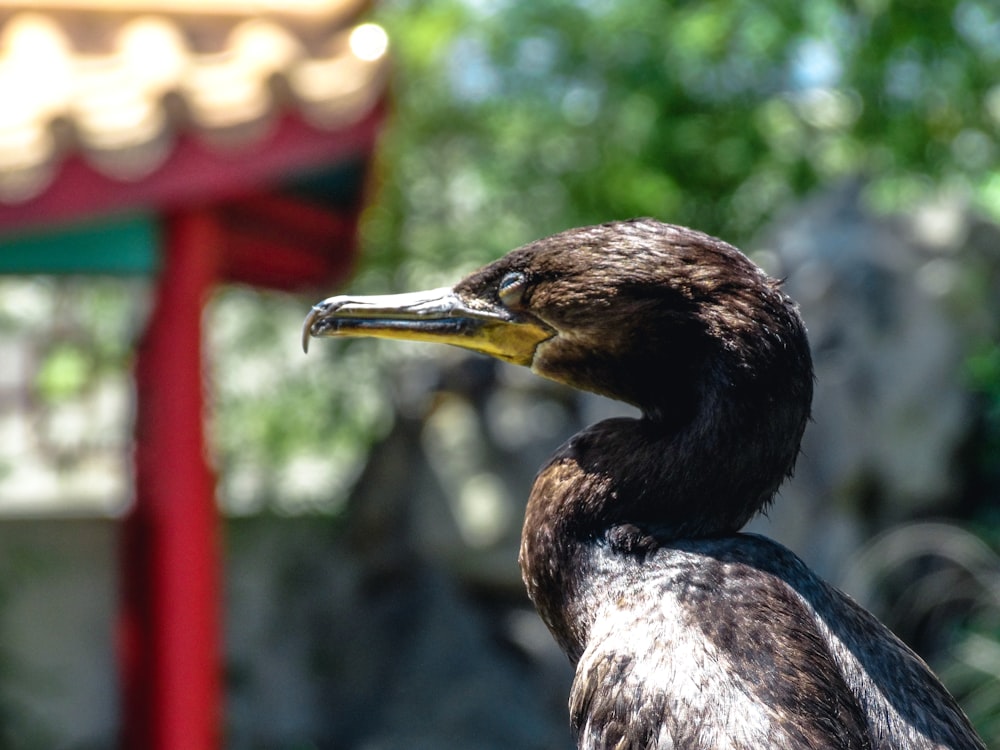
511, 288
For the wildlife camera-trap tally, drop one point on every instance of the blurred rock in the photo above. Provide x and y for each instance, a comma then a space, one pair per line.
327, 651
397, 631
892, 316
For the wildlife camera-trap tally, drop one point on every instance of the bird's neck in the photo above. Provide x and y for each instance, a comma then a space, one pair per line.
631, 485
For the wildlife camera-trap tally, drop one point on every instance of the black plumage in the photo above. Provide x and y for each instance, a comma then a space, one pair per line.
685, 633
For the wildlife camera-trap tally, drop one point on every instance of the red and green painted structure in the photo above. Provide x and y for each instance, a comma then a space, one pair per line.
281, 214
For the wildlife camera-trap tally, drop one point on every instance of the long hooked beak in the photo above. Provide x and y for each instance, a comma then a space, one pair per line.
437, 315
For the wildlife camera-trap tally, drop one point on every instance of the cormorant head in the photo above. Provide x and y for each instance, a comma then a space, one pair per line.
673, 321
644, 312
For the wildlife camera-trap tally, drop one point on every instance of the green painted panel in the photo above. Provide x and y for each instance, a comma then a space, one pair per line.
122, 245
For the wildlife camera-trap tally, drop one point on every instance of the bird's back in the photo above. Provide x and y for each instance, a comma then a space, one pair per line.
734, 644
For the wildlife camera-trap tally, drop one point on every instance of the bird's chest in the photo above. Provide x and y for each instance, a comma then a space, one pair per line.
649, 678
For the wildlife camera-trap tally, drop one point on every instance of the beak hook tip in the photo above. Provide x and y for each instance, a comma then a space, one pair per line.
307, 328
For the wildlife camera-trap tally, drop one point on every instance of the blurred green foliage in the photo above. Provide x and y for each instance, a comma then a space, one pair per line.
514, 120
64, 373
289, 434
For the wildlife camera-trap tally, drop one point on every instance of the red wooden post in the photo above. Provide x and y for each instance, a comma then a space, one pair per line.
170, 621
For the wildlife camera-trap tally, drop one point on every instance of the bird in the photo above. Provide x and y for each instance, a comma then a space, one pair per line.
685, 632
